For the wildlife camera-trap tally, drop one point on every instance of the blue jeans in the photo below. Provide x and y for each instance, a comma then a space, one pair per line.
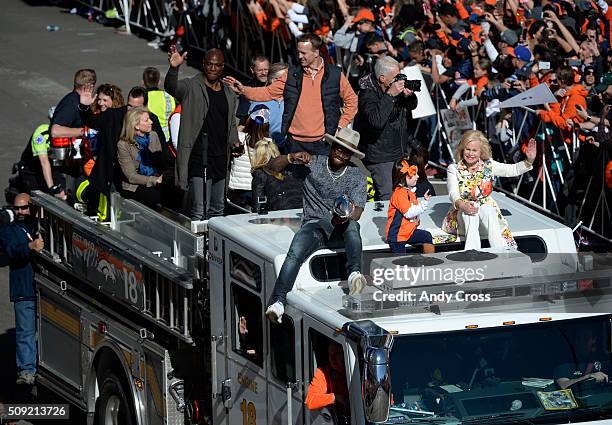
25, 336
312, 236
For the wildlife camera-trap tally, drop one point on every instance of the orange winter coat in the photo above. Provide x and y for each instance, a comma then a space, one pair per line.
322, 388
560, 112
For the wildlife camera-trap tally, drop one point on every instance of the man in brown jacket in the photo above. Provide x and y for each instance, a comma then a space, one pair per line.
207, 131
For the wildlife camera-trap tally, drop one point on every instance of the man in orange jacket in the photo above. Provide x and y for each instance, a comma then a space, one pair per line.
564, 115
328, 386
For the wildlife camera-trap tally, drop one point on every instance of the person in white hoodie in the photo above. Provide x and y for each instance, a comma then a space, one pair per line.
256, 128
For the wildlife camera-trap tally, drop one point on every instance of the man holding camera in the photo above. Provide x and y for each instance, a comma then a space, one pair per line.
19, 239
385, 114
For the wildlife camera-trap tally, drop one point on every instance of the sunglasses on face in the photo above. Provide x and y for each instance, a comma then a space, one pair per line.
345, 153
363, 21
21, 207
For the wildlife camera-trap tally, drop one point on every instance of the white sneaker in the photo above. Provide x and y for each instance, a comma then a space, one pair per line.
275, 312
356, 283
25, 378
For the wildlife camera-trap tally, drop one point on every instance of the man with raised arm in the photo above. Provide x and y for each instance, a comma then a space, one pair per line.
206, 134
318, 98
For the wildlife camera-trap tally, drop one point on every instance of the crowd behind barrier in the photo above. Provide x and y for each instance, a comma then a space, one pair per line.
473, 56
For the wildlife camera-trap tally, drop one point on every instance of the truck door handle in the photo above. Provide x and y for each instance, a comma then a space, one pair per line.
213, 362
290, 387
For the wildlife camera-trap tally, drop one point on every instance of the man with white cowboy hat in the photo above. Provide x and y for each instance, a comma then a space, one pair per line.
334, 198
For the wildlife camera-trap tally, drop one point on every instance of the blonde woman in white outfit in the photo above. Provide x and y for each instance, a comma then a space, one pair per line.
470, 185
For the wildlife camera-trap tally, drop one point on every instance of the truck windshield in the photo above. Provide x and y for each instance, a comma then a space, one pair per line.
549, 372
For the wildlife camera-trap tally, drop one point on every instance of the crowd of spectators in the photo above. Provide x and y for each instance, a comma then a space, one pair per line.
472, 54
479, 53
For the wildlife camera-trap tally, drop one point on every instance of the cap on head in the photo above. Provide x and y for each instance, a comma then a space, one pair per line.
364, 14
408, 36
260, 114
521, 53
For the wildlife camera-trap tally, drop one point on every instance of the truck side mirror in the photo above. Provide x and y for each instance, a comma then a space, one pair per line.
376, 385
376, 344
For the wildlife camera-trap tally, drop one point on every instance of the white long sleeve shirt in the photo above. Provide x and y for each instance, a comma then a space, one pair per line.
499, 170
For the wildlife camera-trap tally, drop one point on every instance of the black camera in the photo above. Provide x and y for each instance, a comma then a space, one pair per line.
414, 85
496, 92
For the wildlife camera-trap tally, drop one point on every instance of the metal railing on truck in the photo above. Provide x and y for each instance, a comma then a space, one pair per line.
149, 273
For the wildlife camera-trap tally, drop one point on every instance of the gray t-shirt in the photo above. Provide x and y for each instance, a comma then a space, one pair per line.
321, 189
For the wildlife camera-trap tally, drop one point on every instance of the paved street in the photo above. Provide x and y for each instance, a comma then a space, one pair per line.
36, 71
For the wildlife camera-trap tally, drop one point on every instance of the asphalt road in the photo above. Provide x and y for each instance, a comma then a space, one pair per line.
36, 71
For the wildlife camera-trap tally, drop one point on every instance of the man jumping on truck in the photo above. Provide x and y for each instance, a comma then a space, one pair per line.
329, 177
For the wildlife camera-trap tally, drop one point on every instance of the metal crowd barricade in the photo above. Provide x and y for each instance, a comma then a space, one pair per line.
149, 15
601, 216
240, 39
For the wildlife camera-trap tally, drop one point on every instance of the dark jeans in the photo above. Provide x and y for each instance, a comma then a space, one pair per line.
320, 147
312, 236
382, 176
210, 196
25, 336
419, 236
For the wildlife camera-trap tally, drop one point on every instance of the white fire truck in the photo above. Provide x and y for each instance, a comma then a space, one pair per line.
152, 320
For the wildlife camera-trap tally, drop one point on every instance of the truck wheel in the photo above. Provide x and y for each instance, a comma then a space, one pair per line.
113, 404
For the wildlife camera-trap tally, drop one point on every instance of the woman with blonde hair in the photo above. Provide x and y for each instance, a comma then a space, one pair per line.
137, 149
282, 190
470, 185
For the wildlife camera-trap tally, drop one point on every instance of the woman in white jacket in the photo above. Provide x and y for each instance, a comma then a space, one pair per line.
255, 129
470, 185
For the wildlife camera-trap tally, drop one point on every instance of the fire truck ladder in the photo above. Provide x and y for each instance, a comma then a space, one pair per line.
141, 259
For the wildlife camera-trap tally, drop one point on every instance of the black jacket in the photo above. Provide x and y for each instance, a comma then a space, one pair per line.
283, 194
384, 123
109, 124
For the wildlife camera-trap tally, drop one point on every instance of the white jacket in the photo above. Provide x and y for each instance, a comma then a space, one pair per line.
240, 171
499, 170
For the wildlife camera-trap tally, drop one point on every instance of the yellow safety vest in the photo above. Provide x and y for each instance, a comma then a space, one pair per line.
162, 105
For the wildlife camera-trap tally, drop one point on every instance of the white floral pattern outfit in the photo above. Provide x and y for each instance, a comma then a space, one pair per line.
477, 186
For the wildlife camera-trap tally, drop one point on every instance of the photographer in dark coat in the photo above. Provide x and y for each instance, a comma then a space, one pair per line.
385, 114
19, 239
